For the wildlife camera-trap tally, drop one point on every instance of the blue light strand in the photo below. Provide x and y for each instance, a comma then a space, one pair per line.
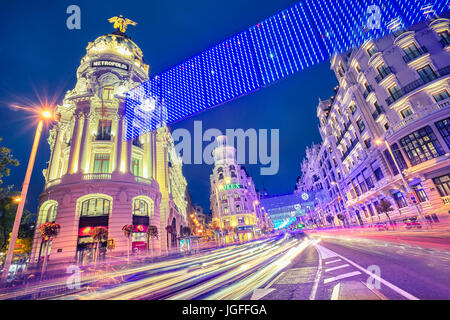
296, 39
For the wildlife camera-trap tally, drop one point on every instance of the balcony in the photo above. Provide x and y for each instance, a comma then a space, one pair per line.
97, 176
346, 127
378, 111
102, 137
386, 72
417, 84
446, 199
419, 115
445, 42
350, 149
420, 52
368, 90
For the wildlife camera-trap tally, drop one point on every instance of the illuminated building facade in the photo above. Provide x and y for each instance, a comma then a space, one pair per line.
309, 32
97, 179
396, 90
234, 200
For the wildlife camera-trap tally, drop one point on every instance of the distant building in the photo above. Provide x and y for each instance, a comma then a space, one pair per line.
234, 201
395, 90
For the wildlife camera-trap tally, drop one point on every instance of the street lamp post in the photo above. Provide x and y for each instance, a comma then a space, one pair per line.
23, 195
405, 184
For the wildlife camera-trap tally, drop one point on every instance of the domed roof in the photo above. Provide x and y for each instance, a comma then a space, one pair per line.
116, 44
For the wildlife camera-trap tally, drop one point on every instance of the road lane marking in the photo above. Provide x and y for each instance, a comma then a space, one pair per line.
342, 276
325, 253
312, 296
260, 293
338, 267
275, 279
387, 283
335, 294
333, 261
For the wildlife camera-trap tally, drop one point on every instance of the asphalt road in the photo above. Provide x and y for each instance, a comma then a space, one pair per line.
313, 267
341, 268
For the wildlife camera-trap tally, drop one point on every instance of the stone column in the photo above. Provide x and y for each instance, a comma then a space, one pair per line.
74, 144
119, 142
82, 151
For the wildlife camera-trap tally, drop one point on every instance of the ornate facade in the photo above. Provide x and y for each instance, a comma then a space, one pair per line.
234, 200
395, 90
95, 178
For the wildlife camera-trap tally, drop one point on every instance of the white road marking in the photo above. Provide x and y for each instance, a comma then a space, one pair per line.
260, 293
342, 276
338, 267
275, 279
387, 283
335, 294
325, 253
312, 296
333, 261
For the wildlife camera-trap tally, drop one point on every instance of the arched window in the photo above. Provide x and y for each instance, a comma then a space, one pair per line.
95, 207
48, 211
143, 207
219, 169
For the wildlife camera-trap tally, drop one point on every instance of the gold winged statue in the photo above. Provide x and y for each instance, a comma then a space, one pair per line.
121, 23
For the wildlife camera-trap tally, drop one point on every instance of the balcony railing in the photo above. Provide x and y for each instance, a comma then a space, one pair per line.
446, 199
142, 180
386, 72
103, 137
420, 52
368, 90
417, 84
136, 142
350, 149
419, 115
346, 127
53, 182
97, 176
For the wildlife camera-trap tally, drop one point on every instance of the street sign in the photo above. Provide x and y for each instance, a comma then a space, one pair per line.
111, 244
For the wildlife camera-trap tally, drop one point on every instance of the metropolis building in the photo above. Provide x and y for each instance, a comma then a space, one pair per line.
395, 90
234, 200
95, 177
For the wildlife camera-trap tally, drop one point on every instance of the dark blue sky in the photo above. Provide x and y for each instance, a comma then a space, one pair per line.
38, 53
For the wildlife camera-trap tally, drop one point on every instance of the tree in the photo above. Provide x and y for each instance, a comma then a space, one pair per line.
99, 234
385, 207
6, 160
186, 231
341, 217
128, 231
152, 232
49, 231
330, 219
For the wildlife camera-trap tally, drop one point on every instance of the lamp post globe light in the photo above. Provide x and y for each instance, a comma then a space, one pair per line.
45, 115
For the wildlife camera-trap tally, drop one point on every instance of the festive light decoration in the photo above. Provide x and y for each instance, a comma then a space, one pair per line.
294, 39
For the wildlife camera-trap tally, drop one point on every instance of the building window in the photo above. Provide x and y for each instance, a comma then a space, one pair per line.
398, 158
101, 163
236, 195
444, 129
362, 183
225, 210
368, 179
141, 208
95, 207
440, 96
420, 192
238, 208
383, 71
360, 124
406, 113
427, 74
421, 145
400, 200
445, 37
104, 129
371, 51
48, 213
377, 171
108, 93
395, 93
411, 52
135, 166
442, 184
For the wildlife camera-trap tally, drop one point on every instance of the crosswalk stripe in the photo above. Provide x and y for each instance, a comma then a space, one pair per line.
338, 267
332, 261
342, 276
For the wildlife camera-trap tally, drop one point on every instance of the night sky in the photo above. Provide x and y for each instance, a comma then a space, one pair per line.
39, 57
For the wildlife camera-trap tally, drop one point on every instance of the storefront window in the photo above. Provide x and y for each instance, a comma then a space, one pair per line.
400, 200
140, 208
443, 185
420, 193
444, 129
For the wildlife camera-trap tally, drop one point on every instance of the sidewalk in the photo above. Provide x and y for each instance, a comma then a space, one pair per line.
437, 237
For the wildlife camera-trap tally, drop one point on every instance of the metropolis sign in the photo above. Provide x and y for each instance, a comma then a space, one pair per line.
109, 63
